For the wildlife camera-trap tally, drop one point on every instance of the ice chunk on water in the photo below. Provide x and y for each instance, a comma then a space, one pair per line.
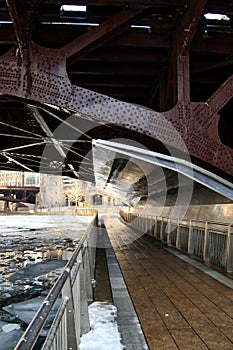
10, 327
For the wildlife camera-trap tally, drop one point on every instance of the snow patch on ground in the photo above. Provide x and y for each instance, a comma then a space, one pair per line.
104, 332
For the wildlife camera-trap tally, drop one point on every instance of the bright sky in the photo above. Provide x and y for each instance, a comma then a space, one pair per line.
104, 330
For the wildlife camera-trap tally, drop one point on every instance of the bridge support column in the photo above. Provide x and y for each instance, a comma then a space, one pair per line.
183, 79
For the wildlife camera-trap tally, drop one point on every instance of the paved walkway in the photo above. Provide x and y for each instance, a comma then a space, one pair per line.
179, 306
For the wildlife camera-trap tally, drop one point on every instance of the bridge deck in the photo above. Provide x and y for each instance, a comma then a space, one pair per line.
179, 306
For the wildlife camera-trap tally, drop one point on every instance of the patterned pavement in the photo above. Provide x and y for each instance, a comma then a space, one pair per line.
179, 306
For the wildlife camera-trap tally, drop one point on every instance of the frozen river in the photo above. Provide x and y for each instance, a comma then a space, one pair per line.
28, 244
11, 225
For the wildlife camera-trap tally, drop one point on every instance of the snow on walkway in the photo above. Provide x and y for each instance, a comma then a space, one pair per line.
104, 331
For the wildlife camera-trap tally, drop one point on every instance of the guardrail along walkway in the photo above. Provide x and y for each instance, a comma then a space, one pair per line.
179, 306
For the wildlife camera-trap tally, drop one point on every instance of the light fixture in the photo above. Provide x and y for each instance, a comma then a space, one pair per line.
73, 8
6, 22
141, 27
216, 16
73, 11
72, 24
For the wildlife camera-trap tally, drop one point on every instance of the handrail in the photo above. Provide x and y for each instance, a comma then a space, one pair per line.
192, 220
210, 241
30, 336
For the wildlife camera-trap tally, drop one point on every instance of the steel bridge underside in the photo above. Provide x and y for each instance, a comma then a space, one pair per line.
49, 117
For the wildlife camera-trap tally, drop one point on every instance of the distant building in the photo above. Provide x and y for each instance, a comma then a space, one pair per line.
78, 192
72, 191
31, 179
82, 193
11, 178
19, 178
51, 191
57, 190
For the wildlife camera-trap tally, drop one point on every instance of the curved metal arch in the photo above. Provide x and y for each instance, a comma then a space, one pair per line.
46, 81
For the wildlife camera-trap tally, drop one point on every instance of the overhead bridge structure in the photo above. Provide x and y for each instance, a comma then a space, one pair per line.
158, 72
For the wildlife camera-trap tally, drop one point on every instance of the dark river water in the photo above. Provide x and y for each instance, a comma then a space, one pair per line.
33, 251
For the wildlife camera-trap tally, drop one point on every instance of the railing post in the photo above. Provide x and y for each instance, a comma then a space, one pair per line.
178, 235
155, 227
132, 222
169, 232
190, 238
161, 229
85, 285
72, 333
146, 223
87, 268
229, 265
206, 250
143, 223
137, 221
151, 225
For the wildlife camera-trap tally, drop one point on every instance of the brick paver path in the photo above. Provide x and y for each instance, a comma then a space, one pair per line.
179, 306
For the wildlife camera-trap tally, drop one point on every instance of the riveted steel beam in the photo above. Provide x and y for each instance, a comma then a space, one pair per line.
195, 123
184, 36
179, 72
221, 96
20, 15
97, 36
186, 29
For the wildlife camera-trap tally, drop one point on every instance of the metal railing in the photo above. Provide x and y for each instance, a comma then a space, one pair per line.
74, 291
208, 240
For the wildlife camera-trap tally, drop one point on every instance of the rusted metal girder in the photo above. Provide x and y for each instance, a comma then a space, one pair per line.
187, 27
184, 36
41, 77
20, 15
178, 87
95, 37
195, 122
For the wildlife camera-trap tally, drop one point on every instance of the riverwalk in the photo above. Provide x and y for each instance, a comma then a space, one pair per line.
178, 305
